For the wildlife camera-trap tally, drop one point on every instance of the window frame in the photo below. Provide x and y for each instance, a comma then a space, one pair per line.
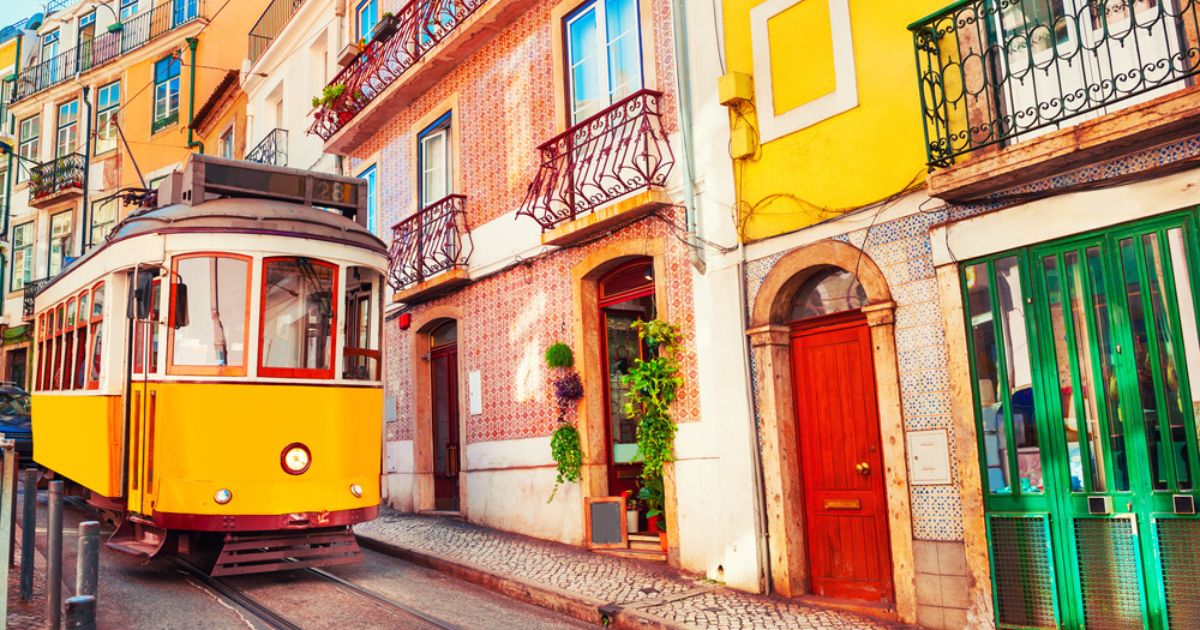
227, 139
335, 298
33, 141
29, 253
600, 7
129, 8
70, 236
60, 127
208, 370
371, 175
95, 324
110, 112
442, 126
358, 18
174, 70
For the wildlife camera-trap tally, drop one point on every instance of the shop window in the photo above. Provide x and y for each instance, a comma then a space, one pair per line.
829, 291
298, 318
604, 55
361, 356
208, 315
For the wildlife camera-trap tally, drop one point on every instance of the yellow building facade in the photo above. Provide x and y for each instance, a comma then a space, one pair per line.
822, 108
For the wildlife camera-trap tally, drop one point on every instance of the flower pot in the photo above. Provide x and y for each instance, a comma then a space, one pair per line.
631, 521
384, 29
654, 524
662, 541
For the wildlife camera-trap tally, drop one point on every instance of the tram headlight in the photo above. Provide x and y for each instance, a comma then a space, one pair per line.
356, 490
296, 458
222, 496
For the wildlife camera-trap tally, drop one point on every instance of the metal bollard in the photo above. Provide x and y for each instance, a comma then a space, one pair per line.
87, 562
81, 612
54, 532
28, 533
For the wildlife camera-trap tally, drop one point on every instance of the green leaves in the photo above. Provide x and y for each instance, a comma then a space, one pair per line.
653, 386
559, 355
565, 449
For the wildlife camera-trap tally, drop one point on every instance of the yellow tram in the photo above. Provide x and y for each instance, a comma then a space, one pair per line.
212, 370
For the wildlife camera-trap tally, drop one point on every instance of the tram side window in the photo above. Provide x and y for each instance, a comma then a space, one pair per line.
145, 334
298, 318
96, 320
208, 315
361, 356
81, 343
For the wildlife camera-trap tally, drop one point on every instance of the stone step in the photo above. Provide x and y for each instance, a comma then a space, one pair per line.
636, 554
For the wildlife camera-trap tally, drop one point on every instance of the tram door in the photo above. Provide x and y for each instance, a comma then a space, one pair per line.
143, 405
1119, 383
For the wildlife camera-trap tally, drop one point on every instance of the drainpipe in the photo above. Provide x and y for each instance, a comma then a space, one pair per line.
85, 218
192, 142
683, 87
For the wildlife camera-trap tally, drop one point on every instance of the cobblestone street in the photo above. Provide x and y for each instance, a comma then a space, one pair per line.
651, 592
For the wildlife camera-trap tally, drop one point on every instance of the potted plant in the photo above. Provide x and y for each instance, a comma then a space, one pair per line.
567, 388
385, 28
631, 512
329, 94
650, 494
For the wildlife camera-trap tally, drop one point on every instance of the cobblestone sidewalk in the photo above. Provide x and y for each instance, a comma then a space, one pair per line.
654, 592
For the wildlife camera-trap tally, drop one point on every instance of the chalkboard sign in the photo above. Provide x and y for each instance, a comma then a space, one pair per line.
605, 521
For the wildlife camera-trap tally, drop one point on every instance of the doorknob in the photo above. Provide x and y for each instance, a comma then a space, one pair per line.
863, 468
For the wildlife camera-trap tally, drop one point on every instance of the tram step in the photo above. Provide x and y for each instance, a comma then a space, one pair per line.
276, 551
136, 538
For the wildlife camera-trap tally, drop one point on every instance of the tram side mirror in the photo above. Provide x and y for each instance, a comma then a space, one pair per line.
142, 294
180, 305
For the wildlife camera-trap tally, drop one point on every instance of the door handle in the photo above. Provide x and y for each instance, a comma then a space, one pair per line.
863, 468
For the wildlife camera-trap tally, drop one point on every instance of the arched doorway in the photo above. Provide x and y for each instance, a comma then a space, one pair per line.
443, 387
626, 295
837, 428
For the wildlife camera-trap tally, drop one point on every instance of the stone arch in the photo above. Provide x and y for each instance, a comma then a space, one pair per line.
770, 338
424, 322
585, 277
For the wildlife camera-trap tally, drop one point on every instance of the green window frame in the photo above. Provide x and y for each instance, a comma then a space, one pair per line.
166, 93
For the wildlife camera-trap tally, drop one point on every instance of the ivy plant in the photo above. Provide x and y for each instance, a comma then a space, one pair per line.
653, 385
567, 454
564, 443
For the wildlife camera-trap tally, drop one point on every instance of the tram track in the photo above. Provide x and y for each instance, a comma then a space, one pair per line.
237, 596
357, 589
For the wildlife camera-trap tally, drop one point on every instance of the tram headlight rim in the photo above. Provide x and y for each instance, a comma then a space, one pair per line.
223, 496
356, 490
285, 463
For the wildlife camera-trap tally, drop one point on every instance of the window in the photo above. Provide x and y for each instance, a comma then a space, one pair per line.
298, 318
827, 292
49, 51
604, 55
87, 35
104, 218
68, 129
146, 334
368, 16
4, 174
22, 255
185, 10
129, 8
361, 355
97, 320
372, 203
166, 92
81, 343
225, 145
434, 161
29, 145
60, 242
209, 337
108, 99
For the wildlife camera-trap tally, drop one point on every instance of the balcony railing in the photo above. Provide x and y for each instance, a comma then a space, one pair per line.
50, 178
107, 46
269, 25
272, 149
429, 242
615, 152
420, 26
997, 71
29, 294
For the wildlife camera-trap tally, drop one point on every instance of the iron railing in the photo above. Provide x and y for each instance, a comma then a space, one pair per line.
615, 152
272, 149
429, 242
420, 26
29, 294
992, 71
107, 46
58, 5
57, 175
270, 24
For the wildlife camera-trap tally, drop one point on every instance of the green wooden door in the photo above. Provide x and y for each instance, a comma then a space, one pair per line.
1113, 380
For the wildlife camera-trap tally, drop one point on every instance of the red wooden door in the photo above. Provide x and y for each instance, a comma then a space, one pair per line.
445, 427
841, 462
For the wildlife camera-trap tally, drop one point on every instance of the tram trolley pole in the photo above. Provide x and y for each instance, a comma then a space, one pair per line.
8, 489
54, 533
28, 531
87, 561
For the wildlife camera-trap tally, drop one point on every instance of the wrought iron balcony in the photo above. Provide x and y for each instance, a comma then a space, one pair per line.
50, 181
419, 26
29, 294
107, 46
616, 152
272, 149
996, 71
270, 24
429, 243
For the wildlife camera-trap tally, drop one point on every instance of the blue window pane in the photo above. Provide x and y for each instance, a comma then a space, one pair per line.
368, 16
372, 205
587, 84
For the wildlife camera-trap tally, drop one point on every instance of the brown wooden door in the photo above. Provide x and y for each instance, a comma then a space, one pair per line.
444, 363
841, 463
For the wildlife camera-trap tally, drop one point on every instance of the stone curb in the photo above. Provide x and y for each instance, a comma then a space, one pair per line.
581, 607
